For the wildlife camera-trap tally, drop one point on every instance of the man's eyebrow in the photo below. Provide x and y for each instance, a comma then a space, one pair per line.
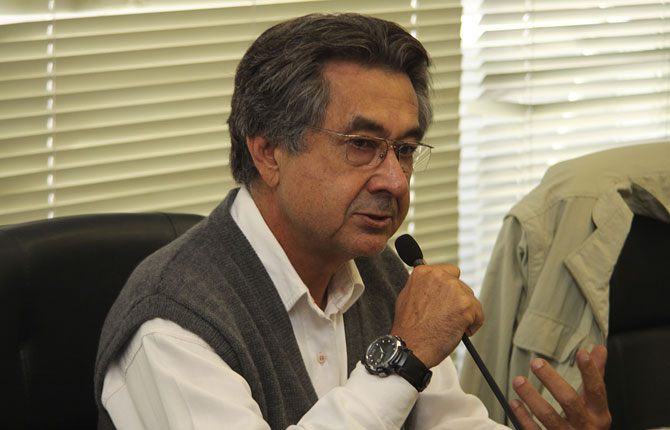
415, 133
360, 123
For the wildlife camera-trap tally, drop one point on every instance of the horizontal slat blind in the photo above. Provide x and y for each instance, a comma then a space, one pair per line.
548, 80
433, 216
122, 106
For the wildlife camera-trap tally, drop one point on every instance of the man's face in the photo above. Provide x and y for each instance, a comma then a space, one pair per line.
330, 207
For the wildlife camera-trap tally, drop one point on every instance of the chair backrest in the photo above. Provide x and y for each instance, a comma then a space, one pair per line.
58, 279
638, 367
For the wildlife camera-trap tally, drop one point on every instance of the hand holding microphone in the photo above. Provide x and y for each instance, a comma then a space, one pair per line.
435, 308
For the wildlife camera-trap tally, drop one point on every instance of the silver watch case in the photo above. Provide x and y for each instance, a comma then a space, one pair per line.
385, 354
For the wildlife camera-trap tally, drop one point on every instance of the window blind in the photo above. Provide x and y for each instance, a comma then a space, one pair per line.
121, 106
545, 81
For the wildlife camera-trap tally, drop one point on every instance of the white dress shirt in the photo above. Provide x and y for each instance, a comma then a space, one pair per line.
168, 377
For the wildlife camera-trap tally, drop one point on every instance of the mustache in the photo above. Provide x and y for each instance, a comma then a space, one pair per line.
382, 204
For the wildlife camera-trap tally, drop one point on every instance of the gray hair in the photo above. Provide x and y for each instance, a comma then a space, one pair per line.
279, 87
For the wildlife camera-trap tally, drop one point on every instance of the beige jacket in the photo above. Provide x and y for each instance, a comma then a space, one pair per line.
546, 289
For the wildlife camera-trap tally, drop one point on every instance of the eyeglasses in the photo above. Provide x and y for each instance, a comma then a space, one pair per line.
371, 151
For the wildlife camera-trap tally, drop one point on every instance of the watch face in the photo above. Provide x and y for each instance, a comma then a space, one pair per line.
381, 352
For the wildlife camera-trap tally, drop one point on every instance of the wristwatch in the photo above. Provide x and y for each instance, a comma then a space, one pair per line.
388, 354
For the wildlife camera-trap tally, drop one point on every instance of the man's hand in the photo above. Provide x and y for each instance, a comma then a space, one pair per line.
587, 411
434, 310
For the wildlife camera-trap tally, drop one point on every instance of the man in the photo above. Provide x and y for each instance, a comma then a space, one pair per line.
260, 315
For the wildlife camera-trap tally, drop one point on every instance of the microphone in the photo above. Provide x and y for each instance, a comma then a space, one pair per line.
410, 253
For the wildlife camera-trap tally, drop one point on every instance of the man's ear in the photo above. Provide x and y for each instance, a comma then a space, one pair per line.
264, 155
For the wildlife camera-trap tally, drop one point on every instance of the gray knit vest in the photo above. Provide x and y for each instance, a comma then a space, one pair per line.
211, 282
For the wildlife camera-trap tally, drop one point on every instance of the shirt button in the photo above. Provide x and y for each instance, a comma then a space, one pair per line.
321, 358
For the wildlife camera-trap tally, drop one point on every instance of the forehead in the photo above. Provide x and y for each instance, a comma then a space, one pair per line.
379, 95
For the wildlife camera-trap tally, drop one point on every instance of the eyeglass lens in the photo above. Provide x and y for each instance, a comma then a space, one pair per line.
361, 151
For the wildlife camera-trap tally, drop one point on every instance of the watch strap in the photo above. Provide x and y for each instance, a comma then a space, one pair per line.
413, 370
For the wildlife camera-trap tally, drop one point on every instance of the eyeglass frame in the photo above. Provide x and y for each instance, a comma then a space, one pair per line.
395, 144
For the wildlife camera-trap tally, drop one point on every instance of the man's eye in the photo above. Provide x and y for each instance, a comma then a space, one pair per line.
406, 150
360, 144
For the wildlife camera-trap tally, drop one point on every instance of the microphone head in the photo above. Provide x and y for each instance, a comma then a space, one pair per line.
408, 250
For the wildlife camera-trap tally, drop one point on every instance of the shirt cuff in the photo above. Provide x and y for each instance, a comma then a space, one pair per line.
390, 398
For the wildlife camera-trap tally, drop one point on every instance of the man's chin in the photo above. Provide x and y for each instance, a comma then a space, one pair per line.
368, 245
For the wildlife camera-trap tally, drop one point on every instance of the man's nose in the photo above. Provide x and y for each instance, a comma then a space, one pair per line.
390, 176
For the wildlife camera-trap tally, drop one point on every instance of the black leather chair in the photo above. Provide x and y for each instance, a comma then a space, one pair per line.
638, 366
58, 278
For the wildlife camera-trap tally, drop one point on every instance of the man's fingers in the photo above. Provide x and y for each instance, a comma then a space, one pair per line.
571, 402
586, 411
478, 319
599, 357
523, 416
540, 407
594, 394
452, 269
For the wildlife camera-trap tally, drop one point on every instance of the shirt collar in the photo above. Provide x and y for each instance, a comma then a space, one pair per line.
344, 289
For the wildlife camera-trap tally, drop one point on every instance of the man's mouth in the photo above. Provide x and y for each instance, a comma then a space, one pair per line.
376, 222
377, 217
